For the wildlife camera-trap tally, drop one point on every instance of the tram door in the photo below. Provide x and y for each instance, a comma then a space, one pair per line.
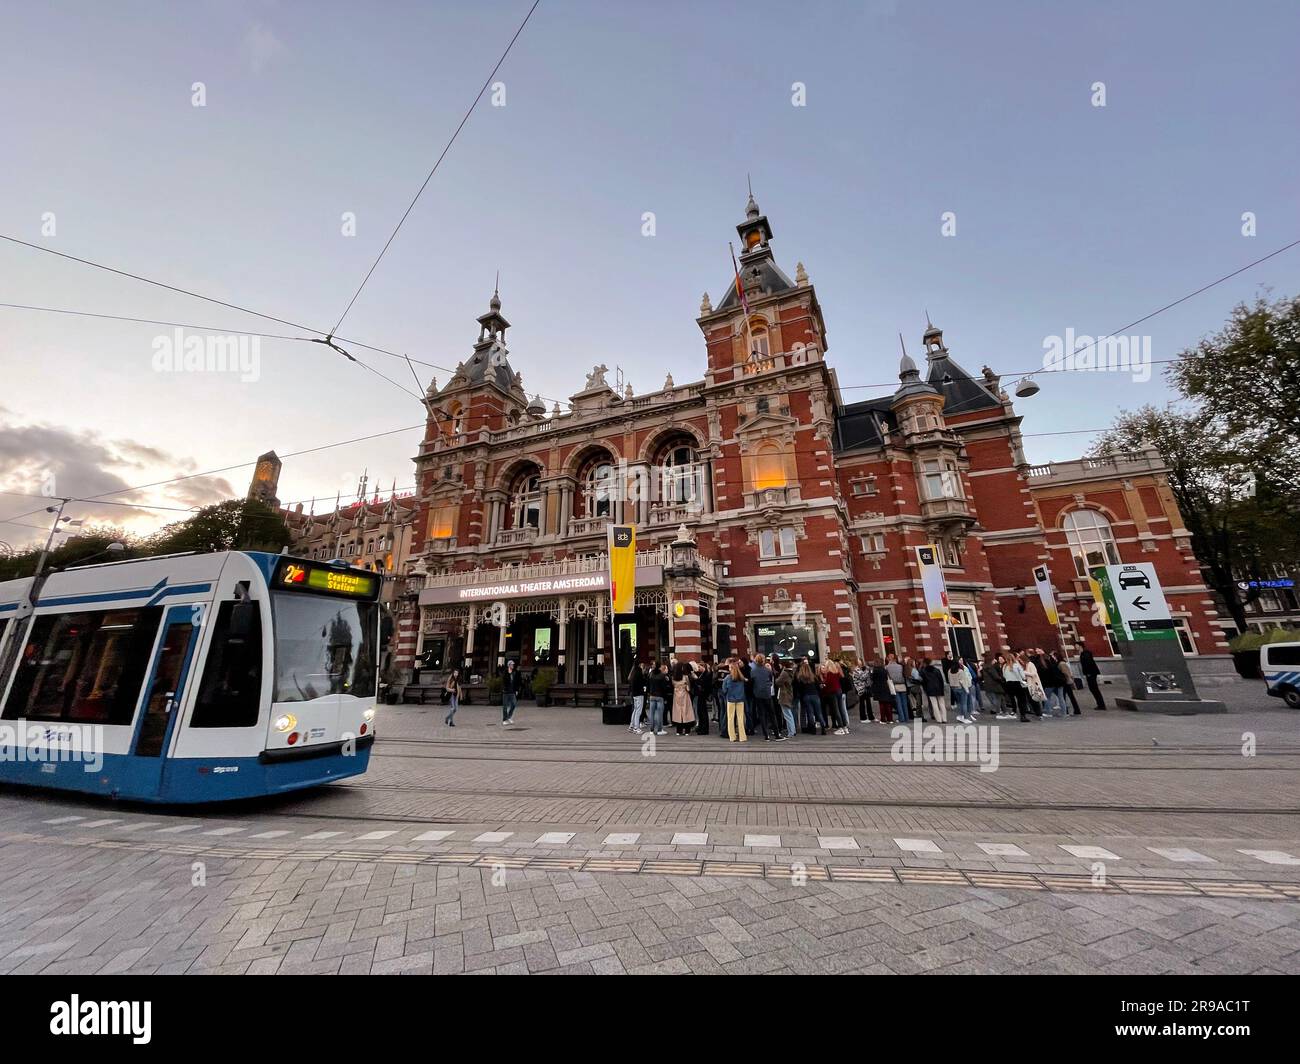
166, 685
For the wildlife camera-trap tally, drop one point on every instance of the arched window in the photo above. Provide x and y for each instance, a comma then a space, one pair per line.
456, 419
681, 475
758, 341
526, 500
769, 467
1091, 540
598, 490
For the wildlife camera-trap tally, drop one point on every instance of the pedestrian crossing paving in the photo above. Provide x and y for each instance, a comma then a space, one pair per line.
1041, 852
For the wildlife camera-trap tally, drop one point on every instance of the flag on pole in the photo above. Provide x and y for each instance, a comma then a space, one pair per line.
740, 288
1045, 593
622, 568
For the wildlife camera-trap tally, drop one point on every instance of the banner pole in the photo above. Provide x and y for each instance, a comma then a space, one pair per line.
613, 620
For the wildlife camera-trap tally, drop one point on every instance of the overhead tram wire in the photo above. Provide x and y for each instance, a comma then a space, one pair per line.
1018, 374
411, 206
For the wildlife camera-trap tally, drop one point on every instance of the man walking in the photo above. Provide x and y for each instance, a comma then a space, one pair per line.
1090, 671
510, 687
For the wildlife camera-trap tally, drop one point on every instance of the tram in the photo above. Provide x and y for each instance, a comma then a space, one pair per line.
189, 678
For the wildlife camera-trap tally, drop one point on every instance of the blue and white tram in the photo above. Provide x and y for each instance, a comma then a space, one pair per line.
189, 678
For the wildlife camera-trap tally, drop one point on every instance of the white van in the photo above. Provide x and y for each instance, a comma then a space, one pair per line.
1280, 664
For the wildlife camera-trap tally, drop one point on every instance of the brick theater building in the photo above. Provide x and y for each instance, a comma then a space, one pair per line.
771, 514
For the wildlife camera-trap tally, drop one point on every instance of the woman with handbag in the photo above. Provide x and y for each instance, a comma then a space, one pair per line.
454, 694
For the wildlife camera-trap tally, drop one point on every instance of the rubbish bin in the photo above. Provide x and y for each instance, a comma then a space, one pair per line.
616, 712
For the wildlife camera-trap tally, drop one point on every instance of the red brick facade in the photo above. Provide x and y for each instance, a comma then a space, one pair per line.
800, 512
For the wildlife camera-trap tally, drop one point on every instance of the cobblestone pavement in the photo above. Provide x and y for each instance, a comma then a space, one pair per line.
1109, 843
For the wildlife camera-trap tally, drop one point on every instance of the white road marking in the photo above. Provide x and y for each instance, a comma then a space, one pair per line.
1182, 855
373, 836
433, 836
1272, 856
268, 835
225, 831
99, 823
622, 838
555, 838
140, 825
1001, 849
1092, 853
494, 836
320, 835
917, 845
691, 838
837, 842
64, 819
179, 828
762, 840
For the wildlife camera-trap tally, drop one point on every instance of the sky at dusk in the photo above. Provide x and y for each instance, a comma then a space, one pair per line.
1067, 215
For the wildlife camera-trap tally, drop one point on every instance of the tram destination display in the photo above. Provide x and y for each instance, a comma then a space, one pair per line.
304, 576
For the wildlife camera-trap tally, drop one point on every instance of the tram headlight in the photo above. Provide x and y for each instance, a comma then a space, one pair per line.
285, 722
369, 714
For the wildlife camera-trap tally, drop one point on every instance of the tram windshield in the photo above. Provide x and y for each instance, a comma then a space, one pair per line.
323, 646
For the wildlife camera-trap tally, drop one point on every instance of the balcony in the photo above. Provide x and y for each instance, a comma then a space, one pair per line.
572, 566
664, 515
1085, 469
762, 498
588, 526
516, 537
945, 510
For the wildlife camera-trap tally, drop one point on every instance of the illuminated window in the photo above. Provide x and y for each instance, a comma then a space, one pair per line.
769, 467
442, 522
1091, 541
758, 341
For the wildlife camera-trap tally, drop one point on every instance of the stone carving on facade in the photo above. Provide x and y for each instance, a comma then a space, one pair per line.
706, 305
596, 378
668, 383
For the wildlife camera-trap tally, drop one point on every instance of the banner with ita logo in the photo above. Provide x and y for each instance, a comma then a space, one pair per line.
932, 583
1045, 593
622, 568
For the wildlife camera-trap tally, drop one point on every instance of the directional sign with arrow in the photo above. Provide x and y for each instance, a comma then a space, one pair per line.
1135, 601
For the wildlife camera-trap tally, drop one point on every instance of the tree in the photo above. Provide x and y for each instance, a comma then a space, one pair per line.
240, 524
89, 547
1240, 516
1248, 375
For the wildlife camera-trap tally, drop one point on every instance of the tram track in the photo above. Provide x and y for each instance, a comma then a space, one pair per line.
1059, 759
1003, 804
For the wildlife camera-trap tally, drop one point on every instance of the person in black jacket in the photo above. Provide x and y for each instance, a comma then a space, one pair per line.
880, 691
659, 692
636, 687
511, 685
932, 680
1091, 671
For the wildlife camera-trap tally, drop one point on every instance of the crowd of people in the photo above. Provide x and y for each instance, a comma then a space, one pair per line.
781, 698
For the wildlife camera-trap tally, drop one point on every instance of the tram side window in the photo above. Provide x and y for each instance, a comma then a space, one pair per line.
84, 667
231, 692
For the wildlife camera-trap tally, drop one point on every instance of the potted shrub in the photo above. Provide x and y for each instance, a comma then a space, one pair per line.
543, 681
1245, 653
494, 689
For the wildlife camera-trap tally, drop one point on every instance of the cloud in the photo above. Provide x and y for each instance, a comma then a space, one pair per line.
46, 461
261, 46
200, 491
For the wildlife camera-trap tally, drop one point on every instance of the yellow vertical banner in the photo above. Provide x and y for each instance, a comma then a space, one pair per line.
622, 568
1043, 581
